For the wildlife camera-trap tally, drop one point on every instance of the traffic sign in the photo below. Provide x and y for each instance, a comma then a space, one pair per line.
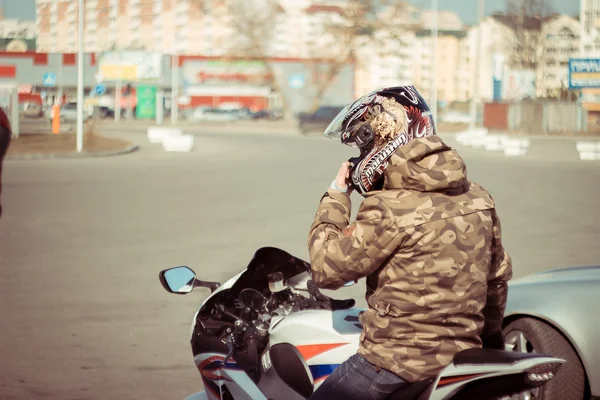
297, 81
100, 89
49, 79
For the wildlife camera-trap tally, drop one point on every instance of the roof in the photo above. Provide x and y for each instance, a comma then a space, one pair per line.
512, 21
441, 33
315, 8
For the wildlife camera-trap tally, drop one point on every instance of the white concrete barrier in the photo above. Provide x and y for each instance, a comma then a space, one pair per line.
473, 137
588, 151
156, 134
494, 142
480, 138
515, 147
183, 143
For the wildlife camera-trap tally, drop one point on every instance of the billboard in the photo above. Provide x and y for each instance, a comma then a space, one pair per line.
584, 73
146, 101
296, 79
498, 64
17, 36
132, 66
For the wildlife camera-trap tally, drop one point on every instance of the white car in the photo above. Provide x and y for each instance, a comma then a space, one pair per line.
68, 112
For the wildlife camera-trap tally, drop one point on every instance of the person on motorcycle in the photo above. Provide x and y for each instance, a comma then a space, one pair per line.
427, 239
5, 136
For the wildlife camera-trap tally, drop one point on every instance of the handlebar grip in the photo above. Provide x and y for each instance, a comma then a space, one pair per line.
253, 367
252, 344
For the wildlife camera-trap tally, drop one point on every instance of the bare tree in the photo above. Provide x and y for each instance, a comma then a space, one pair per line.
349, 29
252, 25
525, 18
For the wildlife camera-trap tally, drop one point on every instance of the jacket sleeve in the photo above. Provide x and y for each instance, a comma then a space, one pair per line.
499, 275
341, 252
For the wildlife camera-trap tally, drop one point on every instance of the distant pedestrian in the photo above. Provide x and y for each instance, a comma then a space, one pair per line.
5, 135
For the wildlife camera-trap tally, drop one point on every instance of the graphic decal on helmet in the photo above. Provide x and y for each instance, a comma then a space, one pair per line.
419, 122
414, 96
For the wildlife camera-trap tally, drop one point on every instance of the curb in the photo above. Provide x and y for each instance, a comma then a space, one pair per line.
35, 156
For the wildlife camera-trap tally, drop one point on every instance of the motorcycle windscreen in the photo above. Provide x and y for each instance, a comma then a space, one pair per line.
266, 261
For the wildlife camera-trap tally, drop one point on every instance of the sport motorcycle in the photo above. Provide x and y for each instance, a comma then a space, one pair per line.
269, 333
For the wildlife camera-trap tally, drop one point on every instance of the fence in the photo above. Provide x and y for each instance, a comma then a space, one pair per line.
536, 117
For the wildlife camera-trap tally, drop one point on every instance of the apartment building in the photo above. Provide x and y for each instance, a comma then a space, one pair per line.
449, 63
166, 26
589, 17
561, 38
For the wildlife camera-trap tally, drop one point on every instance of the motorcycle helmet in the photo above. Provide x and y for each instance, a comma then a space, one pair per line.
378, 123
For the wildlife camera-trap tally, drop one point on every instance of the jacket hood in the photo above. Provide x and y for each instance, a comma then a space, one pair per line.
426, 165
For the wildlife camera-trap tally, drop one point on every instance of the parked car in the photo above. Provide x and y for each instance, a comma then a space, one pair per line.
319, 120
68, 112
271, 115
555, 313
30, 109
215, 114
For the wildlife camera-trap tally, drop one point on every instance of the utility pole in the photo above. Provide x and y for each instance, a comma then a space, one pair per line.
476, 93
80, 80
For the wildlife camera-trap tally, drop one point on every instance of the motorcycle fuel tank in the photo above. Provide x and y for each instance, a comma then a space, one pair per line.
324, 338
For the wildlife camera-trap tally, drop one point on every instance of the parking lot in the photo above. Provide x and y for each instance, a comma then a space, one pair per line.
82, 242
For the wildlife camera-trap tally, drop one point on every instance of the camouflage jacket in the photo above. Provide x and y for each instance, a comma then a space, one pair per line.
430, 247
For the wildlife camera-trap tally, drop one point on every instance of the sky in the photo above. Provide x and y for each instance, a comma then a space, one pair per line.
20, 9
466, 9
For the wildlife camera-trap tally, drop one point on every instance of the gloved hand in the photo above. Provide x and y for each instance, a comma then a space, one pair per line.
340, 183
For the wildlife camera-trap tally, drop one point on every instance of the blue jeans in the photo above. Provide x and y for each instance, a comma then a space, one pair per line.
358, 379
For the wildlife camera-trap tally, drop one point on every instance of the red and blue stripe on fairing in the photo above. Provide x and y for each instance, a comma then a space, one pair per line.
210, 368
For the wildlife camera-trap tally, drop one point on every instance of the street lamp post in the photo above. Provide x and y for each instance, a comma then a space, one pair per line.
80, 80
475, 99
175, 87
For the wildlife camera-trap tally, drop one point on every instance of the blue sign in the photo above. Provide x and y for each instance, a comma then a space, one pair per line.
297, 81
49, 79
497, 90
584, 73
100, 89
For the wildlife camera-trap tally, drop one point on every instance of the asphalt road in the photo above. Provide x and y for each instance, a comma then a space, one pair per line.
82, 241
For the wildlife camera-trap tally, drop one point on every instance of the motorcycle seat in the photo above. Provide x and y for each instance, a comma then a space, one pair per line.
489, 356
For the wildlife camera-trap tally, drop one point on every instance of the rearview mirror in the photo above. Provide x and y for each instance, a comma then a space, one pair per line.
178, 280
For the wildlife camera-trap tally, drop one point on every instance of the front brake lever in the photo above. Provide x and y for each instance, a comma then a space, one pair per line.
314, 291
237, 329
231, 349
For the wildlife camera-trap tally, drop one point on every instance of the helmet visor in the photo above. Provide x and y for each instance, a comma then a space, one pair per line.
335, 128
